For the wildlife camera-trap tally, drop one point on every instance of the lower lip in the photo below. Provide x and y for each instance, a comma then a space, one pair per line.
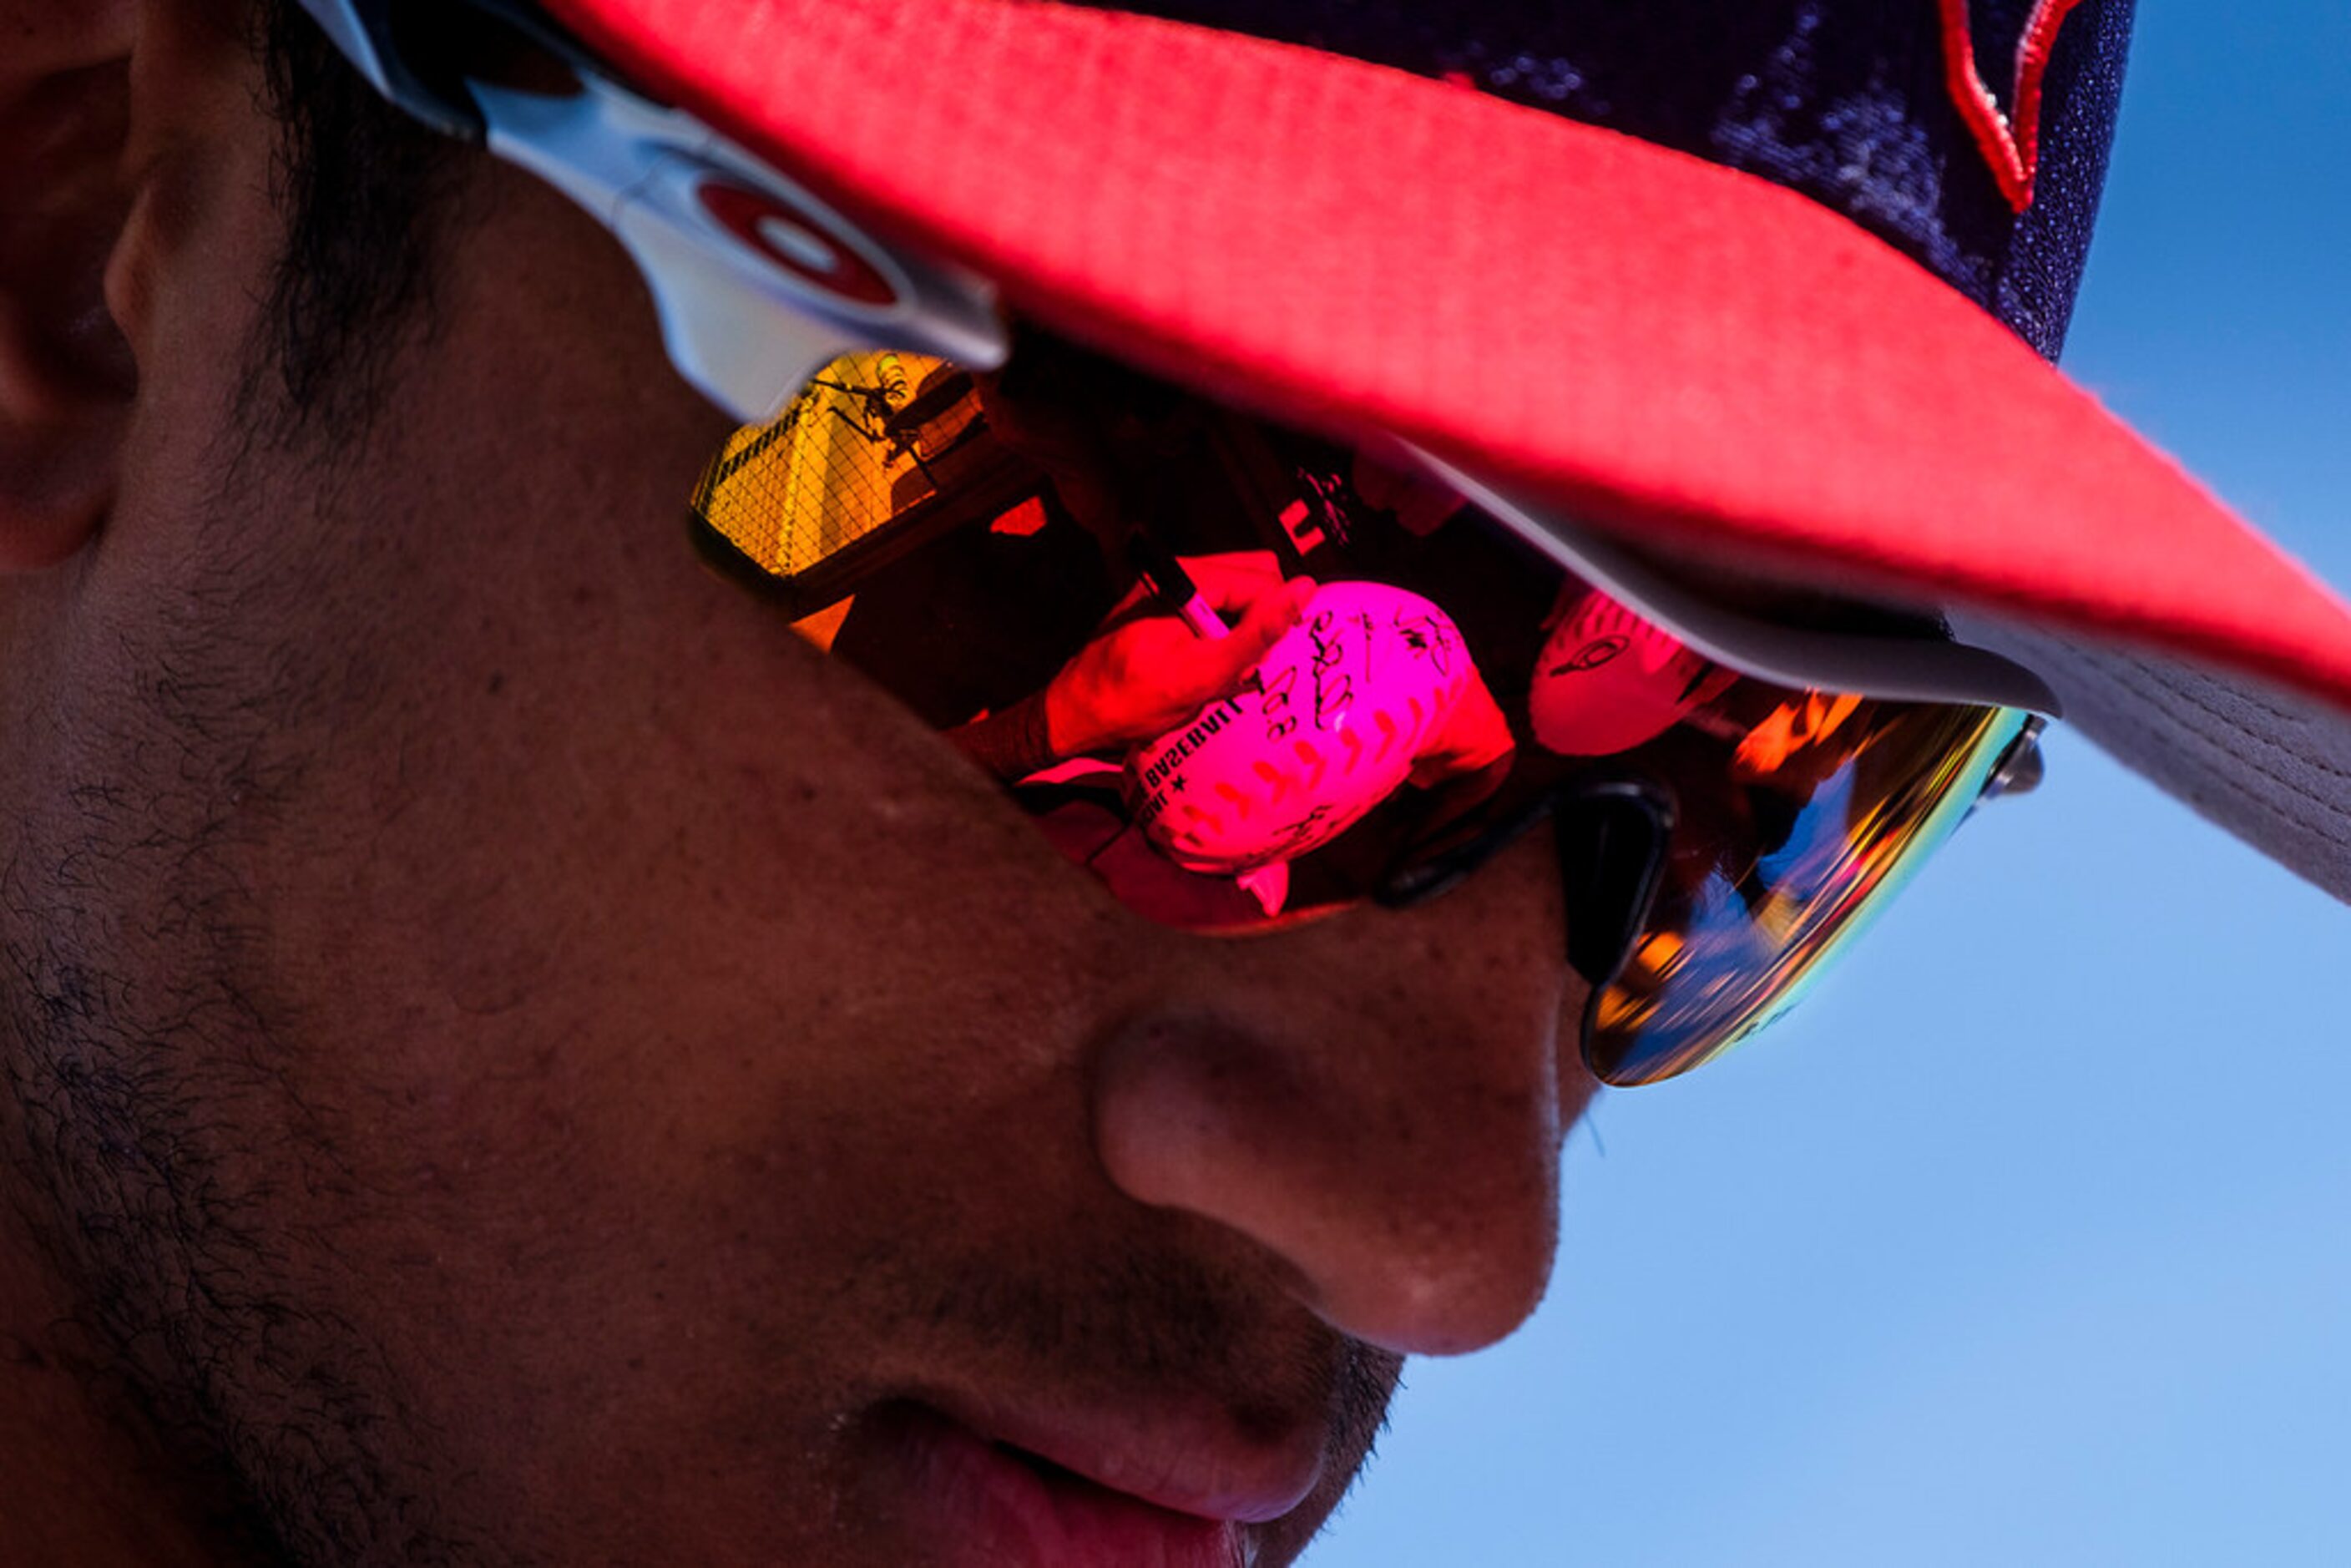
971, 1503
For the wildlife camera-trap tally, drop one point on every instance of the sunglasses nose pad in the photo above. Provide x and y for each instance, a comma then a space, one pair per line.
1611, 839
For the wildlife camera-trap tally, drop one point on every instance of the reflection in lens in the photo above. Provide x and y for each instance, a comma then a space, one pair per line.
1772, 876
1250, 747
1371, 690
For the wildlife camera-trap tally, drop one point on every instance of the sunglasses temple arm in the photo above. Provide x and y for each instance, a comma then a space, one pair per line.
1893, 669
1611, 839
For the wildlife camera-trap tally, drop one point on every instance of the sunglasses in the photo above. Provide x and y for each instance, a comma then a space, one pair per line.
1244, 674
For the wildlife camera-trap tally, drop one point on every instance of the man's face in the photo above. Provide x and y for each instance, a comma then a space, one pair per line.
536, 1064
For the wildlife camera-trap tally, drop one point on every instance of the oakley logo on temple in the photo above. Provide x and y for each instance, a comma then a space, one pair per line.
798, 240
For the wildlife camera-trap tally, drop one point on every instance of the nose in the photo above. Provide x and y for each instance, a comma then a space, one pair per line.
1377, 1099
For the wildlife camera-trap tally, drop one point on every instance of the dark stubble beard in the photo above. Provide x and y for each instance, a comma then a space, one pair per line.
137, 1168
149, 1113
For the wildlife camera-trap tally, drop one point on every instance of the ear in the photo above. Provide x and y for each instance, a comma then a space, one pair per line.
66, 375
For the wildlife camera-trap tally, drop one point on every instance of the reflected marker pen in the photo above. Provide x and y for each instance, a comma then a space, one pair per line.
1174, 587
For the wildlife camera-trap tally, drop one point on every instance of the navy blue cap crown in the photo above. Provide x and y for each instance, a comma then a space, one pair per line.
1860, 104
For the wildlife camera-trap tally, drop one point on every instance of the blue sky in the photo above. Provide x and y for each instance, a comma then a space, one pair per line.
2023, 1240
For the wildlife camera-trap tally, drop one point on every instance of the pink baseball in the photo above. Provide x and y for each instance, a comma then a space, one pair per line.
1323, 729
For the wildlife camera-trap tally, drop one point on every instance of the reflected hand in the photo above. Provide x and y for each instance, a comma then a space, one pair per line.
1145, 673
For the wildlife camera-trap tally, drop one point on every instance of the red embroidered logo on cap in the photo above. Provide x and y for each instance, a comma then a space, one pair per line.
2010, 141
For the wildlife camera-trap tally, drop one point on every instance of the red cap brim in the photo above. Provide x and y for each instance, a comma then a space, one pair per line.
1663, 346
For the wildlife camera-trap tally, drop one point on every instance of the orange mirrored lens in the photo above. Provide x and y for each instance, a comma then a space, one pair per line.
1781, 860
1243, 675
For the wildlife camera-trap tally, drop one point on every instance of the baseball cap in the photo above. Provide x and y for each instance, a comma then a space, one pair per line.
1771, 290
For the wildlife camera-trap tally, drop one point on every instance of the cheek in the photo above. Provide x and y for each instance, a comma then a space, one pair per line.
659, 970
663, 902
619, 854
